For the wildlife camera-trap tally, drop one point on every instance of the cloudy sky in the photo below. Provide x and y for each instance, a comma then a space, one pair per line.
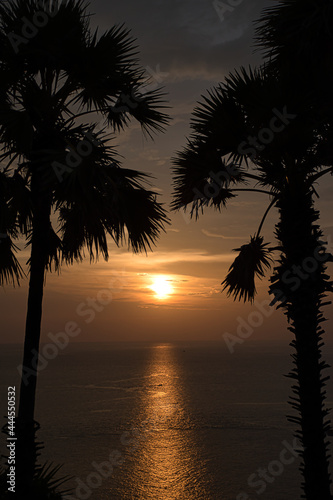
188, 47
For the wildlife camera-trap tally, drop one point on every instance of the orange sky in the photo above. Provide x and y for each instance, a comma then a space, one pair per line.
189, 50
114, 300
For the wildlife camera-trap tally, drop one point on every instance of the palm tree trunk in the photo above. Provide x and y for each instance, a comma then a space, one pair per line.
302, 279
26, 425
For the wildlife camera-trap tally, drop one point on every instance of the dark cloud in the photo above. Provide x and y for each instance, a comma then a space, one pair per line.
185, 37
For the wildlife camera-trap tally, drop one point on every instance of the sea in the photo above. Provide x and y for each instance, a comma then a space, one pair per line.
167, 421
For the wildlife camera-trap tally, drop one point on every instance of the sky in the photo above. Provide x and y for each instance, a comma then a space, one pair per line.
174, 292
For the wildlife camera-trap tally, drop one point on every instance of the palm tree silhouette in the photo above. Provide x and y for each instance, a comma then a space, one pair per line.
62, 185
256, 133
296, 39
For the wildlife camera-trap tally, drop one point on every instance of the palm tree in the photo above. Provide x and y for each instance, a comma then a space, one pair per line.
61, 182
256, 133
296, 39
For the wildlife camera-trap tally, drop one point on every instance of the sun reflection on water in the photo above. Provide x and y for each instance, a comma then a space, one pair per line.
167, 466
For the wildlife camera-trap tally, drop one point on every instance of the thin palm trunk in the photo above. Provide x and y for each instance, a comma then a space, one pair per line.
26, 446
301, 277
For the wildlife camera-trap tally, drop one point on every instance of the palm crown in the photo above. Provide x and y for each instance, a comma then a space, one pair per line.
52, 77
252, 133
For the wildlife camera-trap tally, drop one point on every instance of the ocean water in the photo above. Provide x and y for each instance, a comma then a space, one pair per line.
186, 421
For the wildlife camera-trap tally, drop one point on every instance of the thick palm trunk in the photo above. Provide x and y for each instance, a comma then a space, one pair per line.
301, 277
26, 444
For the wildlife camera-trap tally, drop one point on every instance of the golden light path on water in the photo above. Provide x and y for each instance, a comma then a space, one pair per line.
167, 466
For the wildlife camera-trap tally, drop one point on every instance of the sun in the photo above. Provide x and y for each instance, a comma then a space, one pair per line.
162, 287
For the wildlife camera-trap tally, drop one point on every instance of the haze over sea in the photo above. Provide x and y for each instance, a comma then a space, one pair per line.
186, 421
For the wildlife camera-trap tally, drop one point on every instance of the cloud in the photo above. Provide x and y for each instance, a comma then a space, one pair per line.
153, 155
187, 39
215, 235
121, 259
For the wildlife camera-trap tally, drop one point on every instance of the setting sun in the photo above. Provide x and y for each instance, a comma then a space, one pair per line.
162, 287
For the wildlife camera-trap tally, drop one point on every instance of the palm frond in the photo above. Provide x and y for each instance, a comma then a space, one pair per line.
251, 262
203, 178
10, 269
20, 203
143, 226
46, 47
146, 107
219, 120
54, 250
47, 482
291, 34
15, 205
148, 111
16, 129
294, 30
110, 81
105, 68
100, 198
81, 227
252, 119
